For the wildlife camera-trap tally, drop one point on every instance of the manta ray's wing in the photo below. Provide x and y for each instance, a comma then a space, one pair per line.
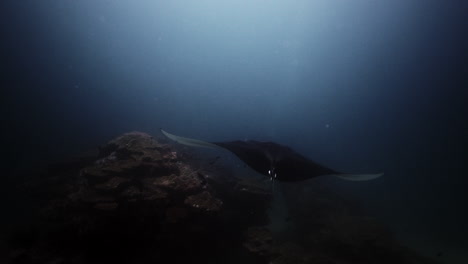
250, 153
291, 167
295, 167
247, 151
359, 177
189, 141
298, 168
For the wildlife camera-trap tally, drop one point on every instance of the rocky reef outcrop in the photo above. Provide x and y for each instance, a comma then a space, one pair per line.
136, 200
140, 200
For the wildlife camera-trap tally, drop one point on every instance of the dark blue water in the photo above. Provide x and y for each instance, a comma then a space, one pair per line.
363, 86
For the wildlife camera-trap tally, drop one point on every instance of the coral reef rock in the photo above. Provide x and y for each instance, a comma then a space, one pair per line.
140, 200
137, 200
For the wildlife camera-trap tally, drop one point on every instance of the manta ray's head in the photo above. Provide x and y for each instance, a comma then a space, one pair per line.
275, 154
272, 173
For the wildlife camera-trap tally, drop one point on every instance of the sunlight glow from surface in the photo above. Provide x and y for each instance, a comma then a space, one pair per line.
248, 58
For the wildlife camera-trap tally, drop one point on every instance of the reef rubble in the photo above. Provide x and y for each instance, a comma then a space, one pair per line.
139, 199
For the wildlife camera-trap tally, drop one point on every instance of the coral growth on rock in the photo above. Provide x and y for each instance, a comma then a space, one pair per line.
139, 200
136, 200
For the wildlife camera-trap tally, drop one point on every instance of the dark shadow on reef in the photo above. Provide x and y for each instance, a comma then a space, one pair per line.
140, 200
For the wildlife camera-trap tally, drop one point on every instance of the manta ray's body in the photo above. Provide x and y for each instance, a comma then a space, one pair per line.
273, 160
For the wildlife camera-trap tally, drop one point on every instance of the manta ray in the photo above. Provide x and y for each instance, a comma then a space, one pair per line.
273, 160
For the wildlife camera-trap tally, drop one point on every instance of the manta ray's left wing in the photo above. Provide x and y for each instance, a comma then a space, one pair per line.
189, 141
249, 152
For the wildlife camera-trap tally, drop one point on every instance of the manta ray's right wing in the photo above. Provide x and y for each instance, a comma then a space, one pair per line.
359, 177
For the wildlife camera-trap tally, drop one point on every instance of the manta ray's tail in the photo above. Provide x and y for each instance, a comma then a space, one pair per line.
189, 141
359, 177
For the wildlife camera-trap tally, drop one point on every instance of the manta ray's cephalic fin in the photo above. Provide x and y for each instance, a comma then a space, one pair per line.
189, 141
